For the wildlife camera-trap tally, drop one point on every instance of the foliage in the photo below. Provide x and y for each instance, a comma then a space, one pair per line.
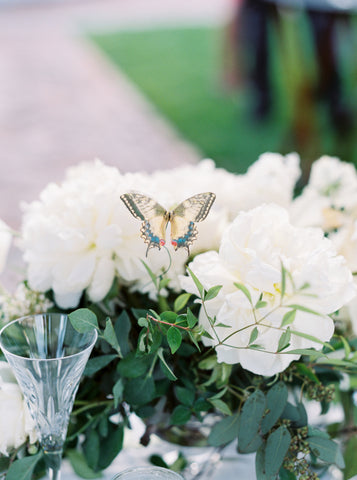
151, 361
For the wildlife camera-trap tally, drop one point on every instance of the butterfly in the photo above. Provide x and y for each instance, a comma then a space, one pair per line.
155, 218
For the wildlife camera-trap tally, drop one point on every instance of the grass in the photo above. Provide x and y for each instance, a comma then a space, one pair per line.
180, 70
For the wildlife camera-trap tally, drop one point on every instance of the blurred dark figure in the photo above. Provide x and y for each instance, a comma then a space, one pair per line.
254, 18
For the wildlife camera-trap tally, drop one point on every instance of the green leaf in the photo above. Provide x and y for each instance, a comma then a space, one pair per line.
164, 366
327, 450
198, 284
212, 292
288, 318
250, 420
138, 391
346, 346
191, 319
180, 415
181, 301
185, 396
118, 391
224, 431
97, 363
307, 372
168, 316
284, 340
154, 278
22, 468
253, 335
245, 290
283, 281
261, 304
296, 414
220, 406
91, 448
277, 445
133, 366
312, 338
311, 352
286, 475
111, 445
304, 309
260, 463
79, 465
174, 339
276, 399
110, 336
350, 458
83, 320
122, 329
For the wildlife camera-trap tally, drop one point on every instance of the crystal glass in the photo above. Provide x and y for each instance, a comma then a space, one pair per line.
48, 357
147, 473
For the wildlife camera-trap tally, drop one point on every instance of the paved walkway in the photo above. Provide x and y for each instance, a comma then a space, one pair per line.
61, 102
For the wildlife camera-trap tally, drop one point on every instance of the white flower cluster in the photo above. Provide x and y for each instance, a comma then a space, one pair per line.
329, 201
16, 425
23, 301
253, 249
79, 235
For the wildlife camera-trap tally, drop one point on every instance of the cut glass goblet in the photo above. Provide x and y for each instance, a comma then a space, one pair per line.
48, 357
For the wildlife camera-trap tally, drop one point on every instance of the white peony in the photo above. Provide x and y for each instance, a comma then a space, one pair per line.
5, 243
252, 251
16, 425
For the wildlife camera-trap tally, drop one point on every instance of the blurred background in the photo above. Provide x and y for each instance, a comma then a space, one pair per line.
146, 84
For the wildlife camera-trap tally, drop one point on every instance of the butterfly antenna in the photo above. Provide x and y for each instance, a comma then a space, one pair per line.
170, 261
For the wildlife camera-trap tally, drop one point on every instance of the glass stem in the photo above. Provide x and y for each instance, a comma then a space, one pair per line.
53, 462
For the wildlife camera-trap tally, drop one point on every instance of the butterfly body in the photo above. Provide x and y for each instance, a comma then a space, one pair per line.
155, 218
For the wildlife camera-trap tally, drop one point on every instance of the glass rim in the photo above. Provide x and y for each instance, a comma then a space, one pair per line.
47, 314
147, 469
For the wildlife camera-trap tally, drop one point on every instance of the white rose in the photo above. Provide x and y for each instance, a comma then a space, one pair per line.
16, 425
252, 250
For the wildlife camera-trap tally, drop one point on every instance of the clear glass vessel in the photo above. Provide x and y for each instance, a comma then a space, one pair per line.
147, 473
48, 357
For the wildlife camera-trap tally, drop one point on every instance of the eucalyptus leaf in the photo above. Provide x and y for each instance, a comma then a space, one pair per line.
22, 468
277, 445
260, 463
250, 420
253, 335
83, 320
154, 278
79, 465
276, 399
224, 432
326, 450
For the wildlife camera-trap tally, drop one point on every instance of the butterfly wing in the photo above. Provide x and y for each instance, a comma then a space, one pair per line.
183, 218
154, 218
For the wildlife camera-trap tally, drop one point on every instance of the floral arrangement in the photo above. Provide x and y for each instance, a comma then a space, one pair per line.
257, 323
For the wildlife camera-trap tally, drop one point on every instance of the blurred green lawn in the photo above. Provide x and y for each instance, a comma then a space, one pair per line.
180, 71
